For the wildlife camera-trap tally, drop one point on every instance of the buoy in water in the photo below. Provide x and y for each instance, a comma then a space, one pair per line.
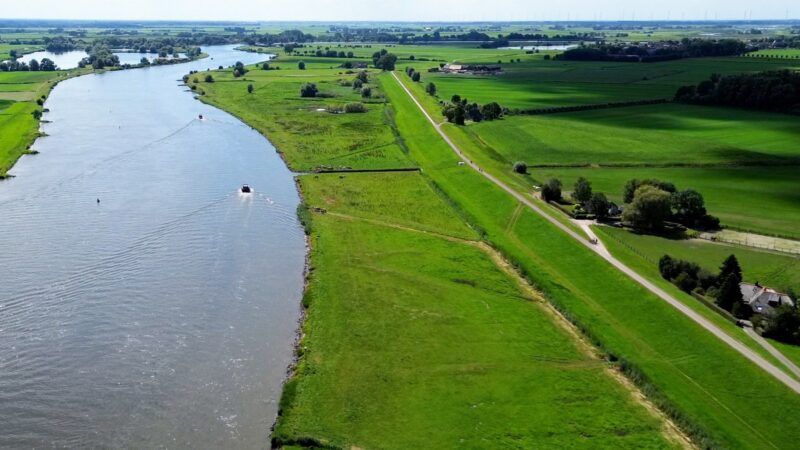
200, 117
246, 189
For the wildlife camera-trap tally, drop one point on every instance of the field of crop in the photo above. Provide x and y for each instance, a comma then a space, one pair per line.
691, 369
770, 269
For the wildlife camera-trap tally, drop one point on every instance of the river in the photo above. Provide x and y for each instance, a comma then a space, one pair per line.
164, 314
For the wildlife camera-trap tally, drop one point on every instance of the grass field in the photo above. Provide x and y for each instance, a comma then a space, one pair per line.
743, 162
770, 269
415, 337
691, 369
361, 141
418, 341
539, 83
18, 128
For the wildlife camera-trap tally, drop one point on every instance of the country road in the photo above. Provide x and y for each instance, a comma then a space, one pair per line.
600, 250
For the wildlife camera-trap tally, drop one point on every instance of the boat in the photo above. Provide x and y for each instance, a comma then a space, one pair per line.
200, 117
246, 189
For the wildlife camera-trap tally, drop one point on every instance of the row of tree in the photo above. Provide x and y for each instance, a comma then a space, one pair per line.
650, 203
46, 65
459, 110
100, 56
723, 287
656, 51
589, 201
773, 91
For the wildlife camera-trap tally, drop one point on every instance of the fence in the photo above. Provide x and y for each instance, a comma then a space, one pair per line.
748, 243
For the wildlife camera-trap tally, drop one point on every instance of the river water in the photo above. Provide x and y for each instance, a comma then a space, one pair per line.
164, 315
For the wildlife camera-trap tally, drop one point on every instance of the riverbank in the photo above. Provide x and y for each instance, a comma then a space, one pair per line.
24, 94
414, 335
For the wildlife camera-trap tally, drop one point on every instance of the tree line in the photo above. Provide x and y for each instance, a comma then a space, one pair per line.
773, 91
46, 65
656, 51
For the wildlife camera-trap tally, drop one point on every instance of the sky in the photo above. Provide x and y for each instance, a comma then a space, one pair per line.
399, 10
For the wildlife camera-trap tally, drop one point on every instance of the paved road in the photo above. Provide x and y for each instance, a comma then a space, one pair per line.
600, 250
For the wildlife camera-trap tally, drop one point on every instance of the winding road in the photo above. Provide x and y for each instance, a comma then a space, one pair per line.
600, 249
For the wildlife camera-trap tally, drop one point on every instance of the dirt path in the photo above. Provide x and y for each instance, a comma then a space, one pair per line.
732, 342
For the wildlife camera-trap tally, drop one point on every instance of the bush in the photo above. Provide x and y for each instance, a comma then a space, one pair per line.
301, 65
431, 89
520, 167
250, 88
415, 76
551, 191
309, 90
356, 107
366, 92
209, 78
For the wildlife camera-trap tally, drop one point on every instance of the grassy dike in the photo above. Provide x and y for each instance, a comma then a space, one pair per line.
716, 394
418, 334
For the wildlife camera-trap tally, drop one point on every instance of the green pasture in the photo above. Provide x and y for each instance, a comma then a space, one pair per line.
539, 83
771, 269
416, 341
361, 141
710, 385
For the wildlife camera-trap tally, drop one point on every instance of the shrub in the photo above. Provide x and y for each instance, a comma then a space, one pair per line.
356, 107
431, 89
250, 88
209, 78
301, 65
551, 191
309, 90
520, 167
366, 92
415, 76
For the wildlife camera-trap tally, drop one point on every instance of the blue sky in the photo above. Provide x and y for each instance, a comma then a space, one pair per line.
399, 10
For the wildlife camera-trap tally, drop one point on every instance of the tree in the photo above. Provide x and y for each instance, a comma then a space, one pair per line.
265, 66
455, 98
430, 89
363, 76
729, 293
520, 167
582, 191
598, 205
632, 185
357, 84
209, 78
386, 62
783, 325
491, 111
33, 65
689, 206
308, 90
415, 77
36, 114
301, 65
47, 65
366, 92
250, 88
649, 209
731, 267
473, 112
144, 61
551, 191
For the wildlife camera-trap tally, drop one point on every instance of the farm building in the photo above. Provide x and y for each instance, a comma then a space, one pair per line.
472, 68
762, 299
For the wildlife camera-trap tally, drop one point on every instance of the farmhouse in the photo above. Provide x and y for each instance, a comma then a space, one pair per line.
472, 68
763, 300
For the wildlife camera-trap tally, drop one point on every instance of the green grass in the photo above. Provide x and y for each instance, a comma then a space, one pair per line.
414, 337
361, 141
414, 341
538, 83
768, 268
707, 383
664, 134
18, 128
764, 200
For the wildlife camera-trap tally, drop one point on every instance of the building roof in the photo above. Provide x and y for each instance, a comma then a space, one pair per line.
763, 299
